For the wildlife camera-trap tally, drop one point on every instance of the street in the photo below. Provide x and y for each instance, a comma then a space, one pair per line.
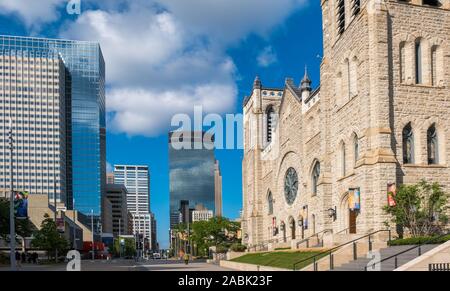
127, 265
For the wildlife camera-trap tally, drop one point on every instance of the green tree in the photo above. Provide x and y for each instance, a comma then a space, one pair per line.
421, 208
128, 249
49, 239
218, 231
23, 226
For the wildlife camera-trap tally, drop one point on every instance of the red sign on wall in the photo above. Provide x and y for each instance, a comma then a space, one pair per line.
391, 192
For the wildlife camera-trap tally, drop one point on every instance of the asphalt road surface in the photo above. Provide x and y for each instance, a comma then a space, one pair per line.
126, 265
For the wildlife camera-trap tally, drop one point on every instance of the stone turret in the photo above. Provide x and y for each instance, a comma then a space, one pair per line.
305, 86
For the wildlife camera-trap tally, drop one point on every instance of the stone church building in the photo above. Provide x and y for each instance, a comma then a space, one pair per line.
323, 159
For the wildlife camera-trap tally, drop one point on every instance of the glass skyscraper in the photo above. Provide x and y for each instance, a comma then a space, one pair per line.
85, 126
192, 172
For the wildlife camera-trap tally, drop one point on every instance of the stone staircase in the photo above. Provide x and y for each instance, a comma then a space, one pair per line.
389, 265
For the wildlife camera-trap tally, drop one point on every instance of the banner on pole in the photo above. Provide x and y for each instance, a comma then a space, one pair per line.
21, 204
354, 199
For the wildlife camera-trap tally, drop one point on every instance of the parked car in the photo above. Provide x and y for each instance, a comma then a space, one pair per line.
156, 256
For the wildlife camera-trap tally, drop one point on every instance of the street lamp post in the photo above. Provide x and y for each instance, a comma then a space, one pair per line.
74, 225
92, 229
12, 227
120, 240
56, 212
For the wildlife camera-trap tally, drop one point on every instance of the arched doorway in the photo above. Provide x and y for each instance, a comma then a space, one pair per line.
292, 226
348, 216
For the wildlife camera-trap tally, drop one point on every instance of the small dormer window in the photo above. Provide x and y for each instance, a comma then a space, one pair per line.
340, 15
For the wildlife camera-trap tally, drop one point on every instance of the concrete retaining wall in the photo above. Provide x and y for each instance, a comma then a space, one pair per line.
248, 267
438, 255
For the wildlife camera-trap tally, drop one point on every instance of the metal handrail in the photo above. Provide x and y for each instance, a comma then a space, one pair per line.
410, 249
314, 235
330, 251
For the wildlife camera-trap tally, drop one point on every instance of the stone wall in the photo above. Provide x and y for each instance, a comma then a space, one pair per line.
363, 101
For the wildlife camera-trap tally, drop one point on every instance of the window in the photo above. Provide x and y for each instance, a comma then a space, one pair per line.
356, 7
338, 89
315, 177
432, 145
408, 145
349, 79
434, 66
402, 63
356, 148
418, 54
342, 159
340, 15
270, 114
353, 72
270, 203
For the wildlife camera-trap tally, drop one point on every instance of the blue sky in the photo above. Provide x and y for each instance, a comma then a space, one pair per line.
164, 56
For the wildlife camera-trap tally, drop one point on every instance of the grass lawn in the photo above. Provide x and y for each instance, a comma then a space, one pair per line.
284, 260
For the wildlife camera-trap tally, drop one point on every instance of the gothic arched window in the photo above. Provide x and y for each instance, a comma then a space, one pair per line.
432, 145
408, 144
343, 160
433, 63
353, 77
270, 203
402, 62
315, 177
418, 56
356, 148
270, 113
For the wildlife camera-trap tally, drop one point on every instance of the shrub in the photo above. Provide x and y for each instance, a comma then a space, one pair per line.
420, 240
4, 259
238, 248
221, 249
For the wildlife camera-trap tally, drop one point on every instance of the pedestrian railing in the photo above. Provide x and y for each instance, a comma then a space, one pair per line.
316, 235
330, 252
442, 267
419, 252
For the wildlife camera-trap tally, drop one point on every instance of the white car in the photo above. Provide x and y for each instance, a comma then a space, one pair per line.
156, 256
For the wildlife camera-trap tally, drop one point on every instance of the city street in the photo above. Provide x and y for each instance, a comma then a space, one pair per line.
169, 265
127, 265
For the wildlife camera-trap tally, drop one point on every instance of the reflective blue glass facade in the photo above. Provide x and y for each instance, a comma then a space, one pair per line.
85, 115
191, 179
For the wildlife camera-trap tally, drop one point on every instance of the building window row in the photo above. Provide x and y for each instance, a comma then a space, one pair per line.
421, 63
343, 157
355, 8
347, 81
410, 148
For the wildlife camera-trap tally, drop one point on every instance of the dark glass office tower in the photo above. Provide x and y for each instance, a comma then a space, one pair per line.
191, 178
84, 117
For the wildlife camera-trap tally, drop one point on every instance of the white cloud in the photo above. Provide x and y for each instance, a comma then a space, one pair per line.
32, 12
231, 20
267, 57
163, 56
148, 112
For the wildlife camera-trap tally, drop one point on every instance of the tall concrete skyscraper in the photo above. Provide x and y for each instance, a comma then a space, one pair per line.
137, 181
218, 189
53, 91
